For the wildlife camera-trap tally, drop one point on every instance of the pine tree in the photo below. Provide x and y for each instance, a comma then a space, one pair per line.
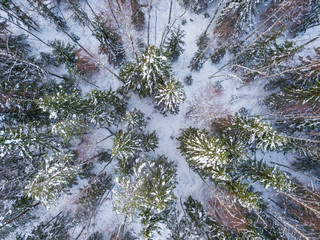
267, 176
63, 105
174, 44
169, 96
56, 228
25, 140
197, 224
64, 54
135, 119
57, 171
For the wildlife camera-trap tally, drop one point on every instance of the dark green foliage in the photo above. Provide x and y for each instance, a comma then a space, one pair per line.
135, 119
267, 55
200, 57
110, 42
174, 44
169, 96
25, 140
218, 54
105, 107
125, 145
267, 176
10, 207
54, 174
150, 141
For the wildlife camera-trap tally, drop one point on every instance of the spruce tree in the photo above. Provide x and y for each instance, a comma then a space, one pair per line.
58, 170
110, 42
125, 145
200, 56
169, 96
174, 44
147, 193
152, 69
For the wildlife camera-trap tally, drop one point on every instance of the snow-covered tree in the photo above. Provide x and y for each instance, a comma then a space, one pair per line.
125, 145
267, 176
104, 107
257, 134
147, 193
169, 96
174, 44
152, 69
25, 140
57, 171
135, 119
204, 153
63, 105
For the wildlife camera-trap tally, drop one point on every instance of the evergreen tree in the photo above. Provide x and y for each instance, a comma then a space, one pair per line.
169, 96
200, 57
135, 119
25, 140
174, 44
204, 153
63, 105
64, 54
125, 145
267, 176
104, 107
257, 134
56, 228
110, 42
57, 171
152, 69
147, 193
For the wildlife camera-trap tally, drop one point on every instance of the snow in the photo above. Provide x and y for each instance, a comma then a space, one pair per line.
235, 95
